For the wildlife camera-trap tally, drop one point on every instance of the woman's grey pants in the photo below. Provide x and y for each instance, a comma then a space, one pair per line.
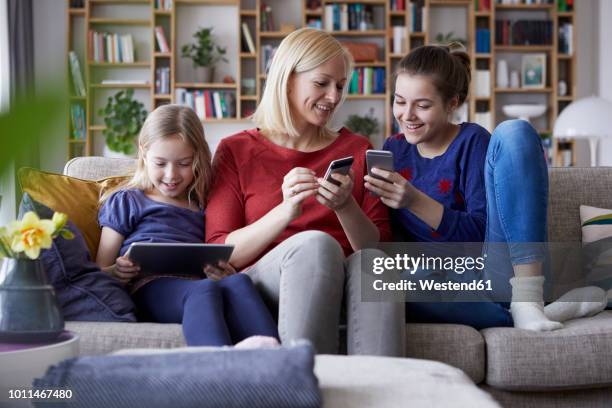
306, 276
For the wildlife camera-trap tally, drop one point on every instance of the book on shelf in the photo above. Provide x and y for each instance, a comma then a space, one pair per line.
266, 18
483, 83
77, 122
399, 39
77, 77
482, 5
418, 23
566, 33
162, 81
77, 3
267, 55
314, 23
398, 5
248, 40
483, 40
160, 37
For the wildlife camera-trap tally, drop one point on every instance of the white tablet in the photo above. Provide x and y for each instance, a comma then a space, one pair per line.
177, 258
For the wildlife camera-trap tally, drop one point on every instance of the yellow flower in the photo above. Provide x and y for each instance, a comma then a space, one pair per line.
31, 234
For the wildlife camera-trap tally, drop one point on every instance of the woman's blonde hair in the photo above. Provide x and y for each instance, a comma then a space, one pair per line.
300, 51
165, 122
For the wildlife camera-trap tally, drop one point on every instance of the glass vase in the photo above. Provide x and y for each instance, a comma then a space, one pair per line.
29, 312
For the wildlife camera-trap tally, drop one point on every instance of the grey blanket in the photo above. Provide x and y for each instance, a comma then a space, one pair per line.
280, 377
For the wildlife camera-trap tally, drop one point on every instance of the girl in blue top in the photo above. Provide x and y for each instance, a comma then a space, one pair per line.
459, 183
164, 202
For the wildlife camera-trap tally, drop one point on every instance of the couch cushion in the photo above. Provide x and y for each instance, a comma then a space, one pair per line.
577, 356
84, 292
94, 167
460, 346
568, 189
102, 338
385, 382
74, 197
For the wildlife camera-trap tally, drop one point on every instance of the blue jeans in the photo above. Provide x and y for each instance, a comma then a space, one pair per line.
516, 183
213, 313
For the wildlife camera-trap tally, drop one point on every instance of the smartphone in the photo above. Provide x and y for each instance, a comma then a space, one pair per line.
381, 159
342, 166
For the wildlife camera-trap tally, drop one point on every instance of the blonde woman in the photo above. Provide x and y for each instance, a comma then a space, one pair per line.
291, 229
164, 202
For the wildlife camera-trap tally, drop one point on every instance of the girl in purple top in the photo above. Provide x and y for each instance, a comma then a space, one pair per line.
164, 202
458, 183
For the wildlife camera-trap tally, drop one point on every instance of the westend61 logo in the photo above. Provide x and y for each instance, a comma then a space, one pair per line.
413, 264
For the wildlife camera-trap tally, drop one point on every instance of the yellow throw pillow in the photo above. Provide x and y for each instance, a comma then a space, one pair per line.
75, 197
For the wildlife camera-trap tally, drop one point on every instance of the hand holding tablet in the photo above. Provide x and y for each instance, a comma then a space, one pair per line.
177, 258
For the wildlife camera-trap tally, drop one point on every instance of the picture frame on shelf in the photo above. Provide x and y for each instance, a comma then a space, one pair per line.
533, 71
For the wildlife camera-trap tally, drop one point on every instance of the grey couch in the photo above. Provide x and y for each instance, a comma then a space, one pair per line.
571, 367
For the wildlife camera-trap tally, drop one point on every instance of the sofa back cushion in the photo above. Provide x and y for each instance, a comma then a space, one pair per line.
569, 188
75, 197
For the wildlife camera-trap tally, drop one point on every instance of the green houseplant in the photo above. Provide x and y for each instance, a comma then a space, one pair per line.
204, 53
123, 117
364, 125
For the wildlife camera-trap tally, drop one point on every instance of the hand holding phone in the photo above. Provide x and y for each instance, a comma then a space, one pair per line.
381, 159
340, 166
332, 193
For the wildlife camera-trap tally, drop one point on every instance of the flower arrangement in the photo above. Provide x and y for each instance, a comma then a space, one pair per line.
31, 234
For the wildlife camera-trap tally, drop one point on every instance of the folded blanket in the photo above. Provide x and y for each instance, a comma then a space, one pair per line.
275, 377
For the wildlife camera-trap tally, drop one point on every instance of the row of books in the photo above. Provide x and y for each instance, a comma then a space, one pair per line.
78, 127
110, 47
162, 81
483, 40
367, 81
77, 3
345, 17
566, 31
78, 84
508, 2
208, 104
398, 5
160, 39
523, 32
163, 4
482, 5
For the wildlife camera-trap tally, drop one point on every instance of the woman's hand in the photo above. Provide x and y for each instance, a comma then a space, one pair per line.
336, 196
219, 271
124, 269
394, 191
299, 184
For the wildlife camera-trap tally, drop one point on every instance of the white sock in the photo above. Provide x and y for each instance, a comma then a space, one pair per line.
527, 307
257, 342
579, 302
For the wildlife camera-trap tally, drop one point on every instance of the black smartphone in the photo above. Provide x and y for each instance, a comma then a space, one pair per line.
381, 159
342, 166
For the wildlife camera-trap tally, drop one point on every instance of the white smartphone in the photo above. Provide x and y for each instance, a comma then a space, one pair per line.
381, 159
341, 166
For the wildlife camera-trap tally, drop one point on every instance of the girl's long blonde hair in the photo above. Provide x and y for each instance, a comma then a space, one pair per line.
300, 51
165, 122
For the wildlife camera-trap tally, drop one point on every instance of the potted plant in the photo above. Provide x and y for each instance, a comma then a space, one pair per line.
364, 125
204, 53
123, 117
